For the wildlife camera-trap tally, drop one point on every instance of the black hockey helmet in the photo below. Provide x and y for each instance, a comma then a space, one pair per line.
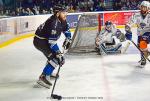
108, 23
58, 8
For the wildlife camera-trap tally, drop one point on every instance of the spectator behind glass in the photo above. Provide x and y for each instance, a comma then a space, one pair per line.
71, 9
77, 9
36, 10
90, 5
124, 6
100, 7
117, 5
95, 5
17, 12
1, 12
12, 13
29, 12
37, 6
133, 5
7, 12
81, 5
23, 12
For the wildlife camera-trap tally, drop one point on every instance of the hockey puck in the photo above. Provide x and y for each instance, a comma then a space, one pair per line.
54, 96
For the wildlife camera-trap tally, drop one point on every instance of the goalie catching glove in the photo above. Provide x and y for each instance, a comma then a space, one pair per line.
120, 35
67, 43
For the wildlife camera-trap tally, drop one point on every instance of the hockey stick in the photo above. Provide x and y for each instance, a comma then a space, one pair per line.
146, 58
55, 96
125, 48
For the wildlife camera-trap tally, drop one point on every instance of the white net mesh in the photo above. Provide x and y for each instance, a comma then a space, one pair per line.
85, 34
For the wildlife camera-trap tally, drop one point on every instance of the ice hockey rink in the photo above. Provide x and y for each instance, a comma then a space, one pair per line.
84, 77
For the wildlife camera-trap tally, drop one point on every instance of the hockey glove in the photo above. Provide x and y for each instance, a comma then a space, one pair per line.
128, 35
60, 58
67, 43
120, 35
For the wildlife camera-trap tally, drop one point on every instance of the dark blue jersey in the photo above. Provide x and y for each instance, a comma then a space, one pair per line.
52, 29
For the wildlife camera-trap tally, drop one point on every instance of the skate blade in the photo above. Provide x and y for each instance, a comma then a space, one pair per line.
37, 86
41, 84
54, 77
140, 66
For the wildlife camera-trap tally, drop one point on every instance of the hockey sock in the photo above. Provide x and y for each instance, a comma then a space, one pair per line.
48, 69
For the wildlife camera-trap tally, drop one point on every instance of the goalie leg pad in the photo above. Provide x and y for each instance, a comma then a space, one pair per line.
112, 49
102, 49
115, 47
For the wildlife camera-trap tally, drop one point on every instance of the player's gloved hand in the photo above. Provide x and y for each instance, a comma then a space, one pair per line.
128, 35
60, 58
67, 43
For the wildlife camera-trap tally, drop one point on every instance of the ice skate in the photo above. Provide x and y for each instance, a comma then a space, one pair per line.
43, 81
141, 63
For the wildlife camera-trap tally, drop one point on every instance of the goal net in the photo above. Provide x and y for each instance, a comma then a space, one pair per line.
83, 40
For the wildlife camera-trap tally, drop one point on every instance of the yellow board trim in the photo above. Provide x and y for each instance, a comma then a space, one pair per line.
13, 40
18, 38
72, 30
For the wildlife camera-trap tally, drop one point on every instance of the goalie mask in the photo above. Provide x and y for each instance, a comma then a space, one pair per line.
108, 26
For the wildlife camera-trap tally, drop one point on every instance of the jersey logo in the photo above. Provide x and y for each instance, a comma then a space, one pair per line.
53, 32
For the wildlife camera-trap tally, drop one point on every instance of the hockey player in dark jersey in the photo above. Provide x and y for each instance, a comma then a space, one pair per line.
45, 40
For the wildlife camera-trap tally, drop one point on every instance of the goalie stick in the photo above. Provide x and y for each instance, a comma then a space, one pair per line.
146, 58
125, 48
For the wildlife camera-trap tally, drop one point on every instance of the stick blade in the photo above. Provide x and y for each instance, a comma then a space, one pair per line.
54, 96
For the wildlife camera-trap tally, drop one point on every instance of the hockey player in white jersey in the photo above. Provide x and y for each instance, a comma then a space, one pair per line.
142, 20
108, 41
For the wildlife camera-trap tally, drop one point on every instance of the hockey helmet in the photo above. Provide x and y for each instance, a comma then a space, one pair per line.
145, 3
59, 8
108, 25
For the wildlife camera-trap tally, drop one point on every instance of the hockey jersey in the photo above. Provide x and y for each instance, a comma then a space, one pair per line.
106, 36
52, 29
143, 23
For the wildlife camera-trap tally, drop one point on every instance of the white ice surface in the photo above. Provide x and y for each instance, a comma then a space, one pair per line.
113, 78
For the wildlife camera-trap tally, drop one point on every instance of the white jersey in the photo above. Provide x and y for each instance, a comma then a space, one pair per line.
106, 36
143, 24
